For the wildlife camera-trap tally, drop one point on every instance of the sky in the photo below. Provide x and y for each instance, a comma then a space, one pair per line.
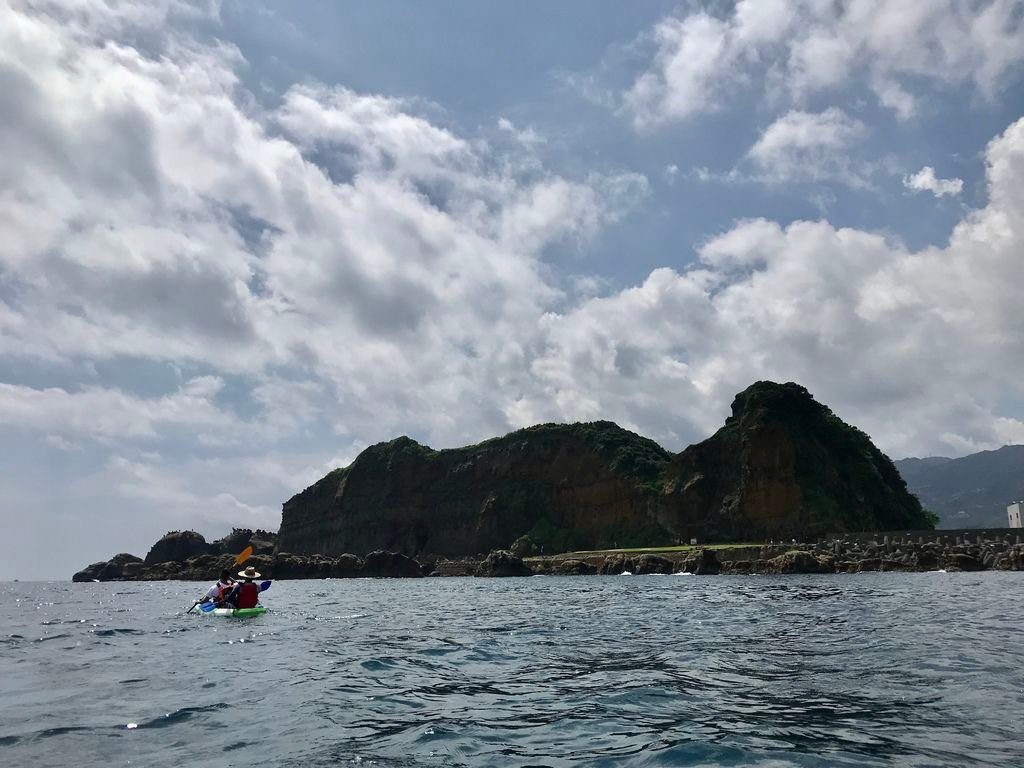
242, 241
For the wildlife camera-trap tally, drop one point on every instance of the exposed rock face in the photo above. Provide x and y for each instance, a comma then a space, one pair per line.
116, 566
573, 568
91, 572
566, 487
799, 562
391, 565
176, 546
262, 542
647, 564
614, 565
783, 466
503, 563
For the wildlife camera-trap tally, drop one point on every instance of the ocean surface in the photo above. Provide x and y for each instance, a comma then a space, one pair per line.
871, 669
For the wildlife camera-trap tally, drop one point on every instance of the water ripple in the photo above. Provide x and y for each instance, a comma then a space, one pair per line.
872, 669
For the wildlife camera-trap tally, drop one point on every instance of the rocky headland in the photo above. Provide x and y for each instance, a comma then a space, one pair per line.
782, 468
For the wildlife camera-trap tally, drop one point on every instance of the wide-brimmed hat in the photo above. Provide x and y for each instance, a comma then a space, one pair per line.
249, 573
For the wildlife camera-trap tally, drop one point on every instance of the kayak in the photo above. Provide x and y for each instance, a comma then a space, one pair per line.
238, 613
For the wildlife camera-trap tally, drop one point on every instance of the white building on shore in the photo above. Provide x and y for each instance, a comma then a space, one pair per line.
1014, 512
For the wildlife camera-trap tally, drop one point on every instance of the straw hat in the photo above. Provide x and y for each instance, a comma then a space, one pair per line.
249, 573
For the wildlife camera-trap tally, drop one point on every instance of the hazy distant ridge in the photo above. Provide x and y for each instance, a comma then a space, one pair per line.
969, 492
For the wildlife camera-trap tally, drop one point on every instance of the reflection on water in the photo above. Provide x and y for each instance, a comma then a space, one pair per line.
873, 669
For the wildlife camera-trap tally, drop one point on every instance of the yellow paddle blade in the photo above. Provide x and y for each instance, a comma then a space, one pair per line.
244, 555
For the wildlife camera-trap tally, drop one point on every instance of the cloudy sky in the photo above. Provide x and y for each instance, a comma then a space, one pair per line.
241, 241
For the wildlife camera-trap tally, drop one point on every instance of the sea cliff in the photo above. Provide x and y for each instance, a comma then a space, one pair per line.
783, 466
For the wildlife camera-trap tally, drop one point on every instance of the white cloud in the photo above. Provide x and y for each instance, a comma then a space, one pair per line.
150, 209
805, 47
803, 146
344, 263
106, 413
926, 181
527, 136
916, 347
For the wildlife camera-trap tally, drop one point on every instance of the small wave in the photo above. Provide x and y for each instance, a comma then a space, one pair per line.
45, 638
60, 731
115, 631
180, 715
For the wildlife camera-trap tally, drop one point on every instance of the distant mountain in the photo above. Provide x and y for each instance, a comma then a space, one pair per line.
969, 492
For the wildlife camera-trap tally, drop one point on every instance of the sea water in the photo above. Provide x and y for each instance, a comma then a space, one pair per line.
871, 669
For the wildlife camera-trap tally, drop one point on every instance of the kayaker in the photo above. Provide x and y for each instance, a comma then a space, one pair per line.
246, 594
219, 591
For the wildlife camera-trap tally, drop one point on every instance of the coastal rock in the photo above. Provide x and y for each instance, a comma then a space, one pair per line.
90, 572
615, 564
799, 562
503, 563
647, 564
114, 568
177, 546
962, 562
122, 566
574, 568
382, 564
524, 546
704, 563
262, 542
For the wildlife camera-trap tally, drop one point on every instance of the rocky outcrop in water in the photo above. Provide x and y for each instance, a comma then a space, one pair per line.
179, 546
783, 466
122, 566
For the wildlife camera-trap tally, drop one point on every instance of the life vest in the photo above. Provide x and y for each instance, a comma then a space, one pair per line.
222, 590
248, 594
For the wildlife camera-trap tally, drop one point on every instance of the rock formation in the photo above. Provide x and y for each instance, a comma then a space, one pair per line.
575, 486
783, 466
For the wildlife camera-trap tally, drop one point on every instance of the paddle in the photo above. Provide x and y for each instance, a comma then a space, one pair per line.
240, 558
244, 555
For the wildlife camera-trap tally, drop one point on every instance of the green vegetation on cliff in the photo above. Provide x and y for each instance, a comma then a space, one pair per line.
785, 465
782, 466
